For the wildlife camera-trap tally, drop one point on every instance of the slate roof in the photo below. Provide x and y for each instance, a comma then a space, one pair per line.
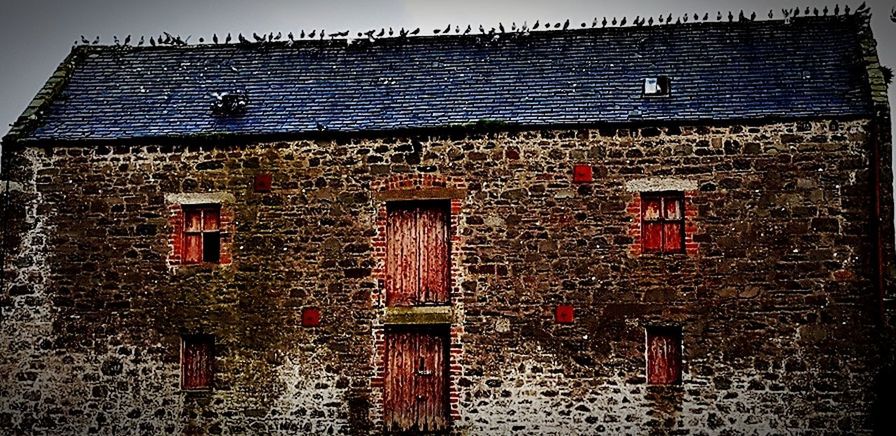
809, 67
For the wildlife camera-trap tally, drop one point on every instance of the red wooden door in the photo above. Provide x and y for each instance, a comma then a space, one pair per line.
663, 355
417, 253
415, 397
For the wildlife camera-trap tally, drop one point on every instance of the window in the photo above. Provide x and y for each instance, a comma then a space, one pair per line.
663, 355
417, 253
662, 222
202, 234
196, 358
656, 86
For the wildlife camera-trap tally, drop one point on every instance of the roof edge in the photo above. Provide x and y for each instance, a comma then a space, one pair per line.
31, 116
480, 127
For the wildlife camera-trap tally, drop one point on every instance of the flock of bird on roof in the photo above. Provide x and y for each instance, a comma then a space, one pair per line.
493, 33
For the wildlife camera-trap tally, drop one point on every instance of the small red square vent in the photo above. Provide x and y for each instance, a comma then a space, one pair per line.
310, 317
581, 173
563, 315
263, 183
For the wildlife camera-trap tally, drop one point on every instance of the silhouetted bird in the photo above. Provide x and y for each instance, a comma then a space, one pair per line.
770, 14
127, 40
614, 21
650, 21
566, 24
141, 42
684, 19
815, 11
152, 42
845, 9
391, 32
84, 40
669, 18
415, 31
622, 23
837, 9
257, 38
434, 31
228, 39
861, 8
807, 11
313, 33
536, 25
97, 40
740, 16
594, 23
730, 17
382, 32
753, 16
466, 31
481, 29
556, 25
893, 15
278, 37
824, 11
215, 38
501, 27
718, 15
696, 17
447, 29
242, 39
706, 16
660, 19
796, 12
291, 37
201, 40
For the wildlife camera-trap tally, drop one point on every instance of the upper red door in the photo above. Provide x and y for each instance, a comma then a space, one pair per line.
417, 253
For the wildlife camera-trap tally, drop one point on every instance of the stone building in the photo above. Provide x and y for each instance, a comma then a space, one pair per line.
646, 229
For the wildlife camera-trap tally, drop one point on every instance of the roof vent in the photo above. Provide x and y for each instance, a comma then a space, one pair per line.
656, 86
229, 103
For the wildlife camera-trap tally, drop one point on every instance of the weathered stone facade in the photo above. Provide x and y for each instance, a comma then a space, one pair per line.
775, 296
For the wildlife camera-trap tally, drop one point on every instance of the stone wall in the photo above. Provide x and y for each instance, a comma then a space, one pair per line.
775, 295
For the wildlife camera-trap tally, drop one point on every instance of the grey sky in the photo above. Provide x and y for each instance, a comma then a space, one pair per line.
36, 35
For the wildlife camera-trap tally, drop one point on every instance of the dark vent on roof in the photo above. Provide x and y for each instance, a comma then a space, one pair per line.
229, 103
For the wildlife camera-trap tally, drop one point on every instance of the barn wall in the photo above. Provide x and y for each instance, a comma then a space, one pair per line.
774, 298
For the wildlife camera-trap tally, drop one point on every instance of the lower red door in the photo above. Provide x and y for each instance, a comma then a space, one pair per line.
416, 382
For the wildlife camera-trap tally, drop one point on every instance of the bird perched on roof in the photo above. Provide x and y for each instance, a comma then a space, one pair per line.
594, 23
466, 31
228, 39
127, 40
730, 17
84, 40
97, 40
660, 19
706, 16
836, 9
291, 37
257, 38
141, 42
557, 25
815, 11
566, 24
683, 18
696, 17
753, 16
391, 32
718, 15
845, 9
536, 25
242, 39
447, 28
382, 32
622, 23
501, 27
215, 38
650, 21
893, 15
825, 11
770, 14
152, 42
415, 31
614, 21
669, 18
312, 34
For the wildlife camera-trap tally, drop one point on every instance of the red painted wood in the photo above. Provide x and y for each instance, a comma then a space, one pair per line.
433, 227
417, 254
672, 238
663, 356
196, 362
582, 173
310, 317
192, 248
564, 314
262, 183
415, 396
652, 237
672, 208
201, 235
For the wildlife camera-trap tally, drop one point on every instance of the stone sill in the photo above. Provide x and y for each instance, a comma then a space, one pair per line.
418, 315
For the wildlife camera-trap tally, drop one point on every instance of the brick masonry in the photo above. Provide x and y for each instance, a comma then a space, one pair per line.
775, 295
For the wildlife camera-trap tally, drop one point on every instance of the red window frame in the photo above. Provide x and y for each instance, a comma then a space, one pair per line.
197, 362
663, 351
201, 234
662, 222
